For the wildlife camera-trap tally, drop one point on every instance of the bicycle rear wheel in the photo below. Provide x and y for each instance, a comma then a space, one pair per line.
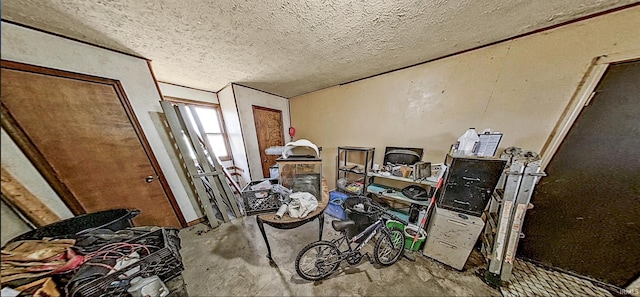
317, 260
389, 247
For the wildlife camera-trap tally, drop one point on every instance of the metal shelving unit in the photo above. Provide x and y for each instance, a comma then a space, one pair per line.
431, 181
383, 191
353, 165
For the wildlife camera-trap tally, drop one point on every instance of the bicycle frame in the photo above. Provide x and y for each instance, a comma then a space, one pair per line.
370, 232
329, 254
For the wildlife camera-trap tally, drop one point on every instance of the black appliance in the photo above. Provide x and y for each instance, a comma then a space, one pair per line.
415, 192
402, 155
469, 183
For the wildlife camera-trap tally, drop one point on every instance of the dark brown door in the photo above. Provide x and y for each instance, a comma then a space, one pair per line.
82, 135
586, 217
269, 130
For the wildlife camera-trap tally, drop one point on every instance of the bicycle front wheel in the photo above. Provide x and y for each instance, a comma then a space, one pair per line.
318, 260
389, 247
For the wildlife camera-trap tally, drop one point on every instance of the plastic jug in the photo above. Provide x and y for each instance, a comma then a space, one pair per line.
467, 142
149, 286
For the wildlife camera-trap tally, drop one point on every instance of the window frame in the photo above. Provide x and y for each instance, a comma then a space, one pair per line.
218, 110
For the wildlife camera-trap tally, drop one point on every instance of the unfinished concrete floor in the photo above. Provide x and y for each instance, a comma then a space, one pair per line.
231, 261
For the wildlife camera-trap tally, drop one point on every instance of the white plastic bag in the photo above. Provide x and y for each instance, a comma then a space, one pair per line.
302, 203
263, 185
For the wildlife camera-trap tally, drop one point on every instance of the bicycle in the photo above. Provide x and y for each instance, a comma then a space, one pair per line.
319, 259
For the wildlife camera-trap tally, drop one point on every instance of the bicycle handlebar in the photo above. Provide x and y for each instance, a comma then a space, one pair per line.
383, 211
396, 218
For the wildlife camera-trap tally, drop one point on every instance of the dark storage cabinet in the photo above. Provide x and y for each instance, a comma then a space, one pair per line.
469, 183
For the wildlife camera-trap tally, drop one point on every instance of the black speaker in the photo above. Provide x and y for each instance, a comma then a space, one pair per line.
469, 183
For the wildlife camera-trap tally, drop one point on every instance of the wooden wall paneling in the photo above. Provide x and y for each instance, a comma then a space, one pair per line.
27, 203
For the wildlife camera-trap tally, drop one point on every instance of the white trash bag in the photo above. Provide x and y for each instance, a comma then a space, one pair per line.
302, 203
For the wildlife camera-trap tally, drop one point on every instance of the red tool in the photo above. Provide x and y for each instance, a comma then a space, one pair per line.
426, 215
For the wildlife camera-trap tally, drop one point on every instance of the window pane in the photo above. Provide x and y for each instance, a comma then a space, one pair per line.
219, 147
209, 119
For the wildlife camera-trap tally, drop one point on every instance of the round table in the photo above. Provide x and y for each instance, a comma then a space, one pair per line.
287, 222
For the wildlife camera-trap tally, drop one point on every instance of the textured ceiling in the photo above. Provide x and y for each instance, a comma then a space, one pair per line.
291, 47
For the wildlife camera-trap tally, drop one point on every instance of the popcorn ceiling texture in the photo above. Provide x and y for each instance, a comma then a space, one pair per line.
291, 47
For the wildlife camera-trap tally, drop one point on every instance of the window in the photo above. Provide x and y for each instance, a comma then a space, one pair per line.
212, 123
210, 117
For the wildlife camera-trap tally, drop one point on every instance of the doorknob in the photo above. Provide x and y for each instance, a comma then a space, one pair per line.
148, 179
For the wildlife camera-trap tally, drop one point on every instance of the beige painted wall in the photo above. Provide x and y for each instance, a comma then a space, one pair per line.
32, 47
519, 87
172, 90
12, 225
234, 131
245, 99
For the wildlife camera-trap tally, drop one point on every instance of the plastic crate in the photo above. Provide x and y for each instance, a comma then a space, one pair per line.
114, 219
259, 201
177, 287
163, 261
363, 219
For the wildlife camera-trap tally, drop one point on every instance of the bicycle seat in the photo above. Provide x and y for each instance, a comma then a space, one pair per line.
342, 225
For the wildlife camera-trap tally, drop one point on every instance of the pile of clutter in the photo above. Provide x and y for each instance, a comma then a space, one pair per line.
134, 261
353, 186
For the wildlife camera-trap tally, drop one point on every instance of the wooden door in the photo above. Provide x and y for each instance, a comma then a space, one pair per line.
586, 217
270, 133
80, 132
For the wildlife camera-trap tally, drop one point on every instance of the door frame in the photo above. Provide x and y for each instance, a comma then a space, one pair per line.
580, 99
253, 109
38, 160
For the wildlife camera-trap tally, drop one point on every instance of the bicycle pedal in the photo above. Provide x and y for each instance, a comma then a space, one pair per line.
369, 258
